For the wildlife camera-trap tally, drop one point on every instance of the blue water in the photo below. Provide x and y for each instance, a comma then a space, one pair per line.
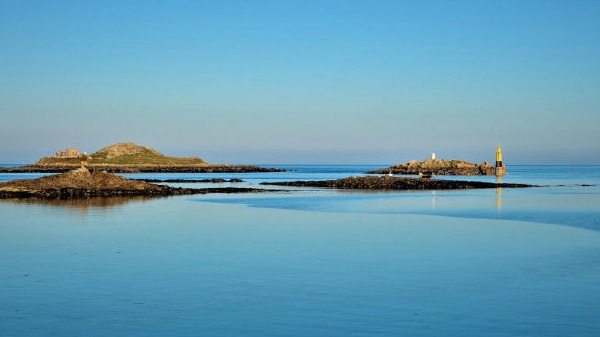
309, 262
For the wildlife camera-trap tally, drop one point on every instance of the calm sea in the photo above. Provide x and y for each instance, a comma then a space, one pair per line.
309, 262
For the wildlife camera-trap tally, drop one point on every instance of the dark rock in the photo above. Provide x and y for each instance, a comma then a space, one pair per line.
394, 183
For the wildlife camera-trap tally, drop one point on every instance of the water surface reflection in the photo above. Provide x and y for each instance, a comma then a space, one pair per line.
80, 203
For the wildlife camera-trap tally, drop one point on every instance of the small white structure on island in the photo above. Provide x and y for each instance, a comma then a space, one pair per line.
433, 155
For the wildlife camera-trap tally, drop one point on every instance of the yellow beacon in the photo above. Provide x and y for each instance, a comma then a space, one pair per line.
500, 168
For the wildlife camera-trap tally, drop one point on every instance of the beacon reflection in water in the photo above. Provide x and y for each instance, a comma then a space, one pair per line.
498, 193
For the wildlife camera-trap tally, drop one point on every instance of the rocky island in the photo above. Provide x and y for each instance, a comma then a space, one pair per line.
129, 158
81, 183
439, 167
395, 183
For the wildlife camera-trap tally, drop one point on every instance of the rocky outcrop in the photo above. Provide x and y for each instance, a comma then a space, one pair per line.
70, 153
439, 167
394, 183
81, 183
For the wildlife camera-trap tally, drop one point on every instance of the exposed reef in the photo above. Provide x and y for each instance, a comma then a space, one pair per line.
81, 183
394, 183
214, 180
439, 167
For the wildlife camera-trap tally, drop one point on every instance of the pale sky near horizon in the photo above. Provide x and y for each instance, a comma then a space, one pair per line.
365, 82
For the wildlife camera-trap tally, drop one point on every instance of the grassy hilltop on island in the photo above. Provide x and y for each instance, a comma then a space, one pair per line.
118, 154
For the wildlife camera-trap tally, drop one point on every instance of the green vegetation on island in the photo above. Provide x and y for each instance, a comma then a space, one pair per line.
117, 154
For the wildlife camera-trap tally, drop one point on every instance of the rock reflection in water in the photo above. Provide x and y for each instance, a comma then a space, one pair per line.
81, 204
82, 209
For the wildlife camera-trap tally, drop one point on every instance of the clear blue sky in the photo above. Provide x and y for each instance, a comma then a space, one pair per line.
303, 81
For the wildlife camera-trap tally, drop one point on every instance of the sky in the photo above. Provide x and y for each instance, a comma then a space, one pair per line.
303, 82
